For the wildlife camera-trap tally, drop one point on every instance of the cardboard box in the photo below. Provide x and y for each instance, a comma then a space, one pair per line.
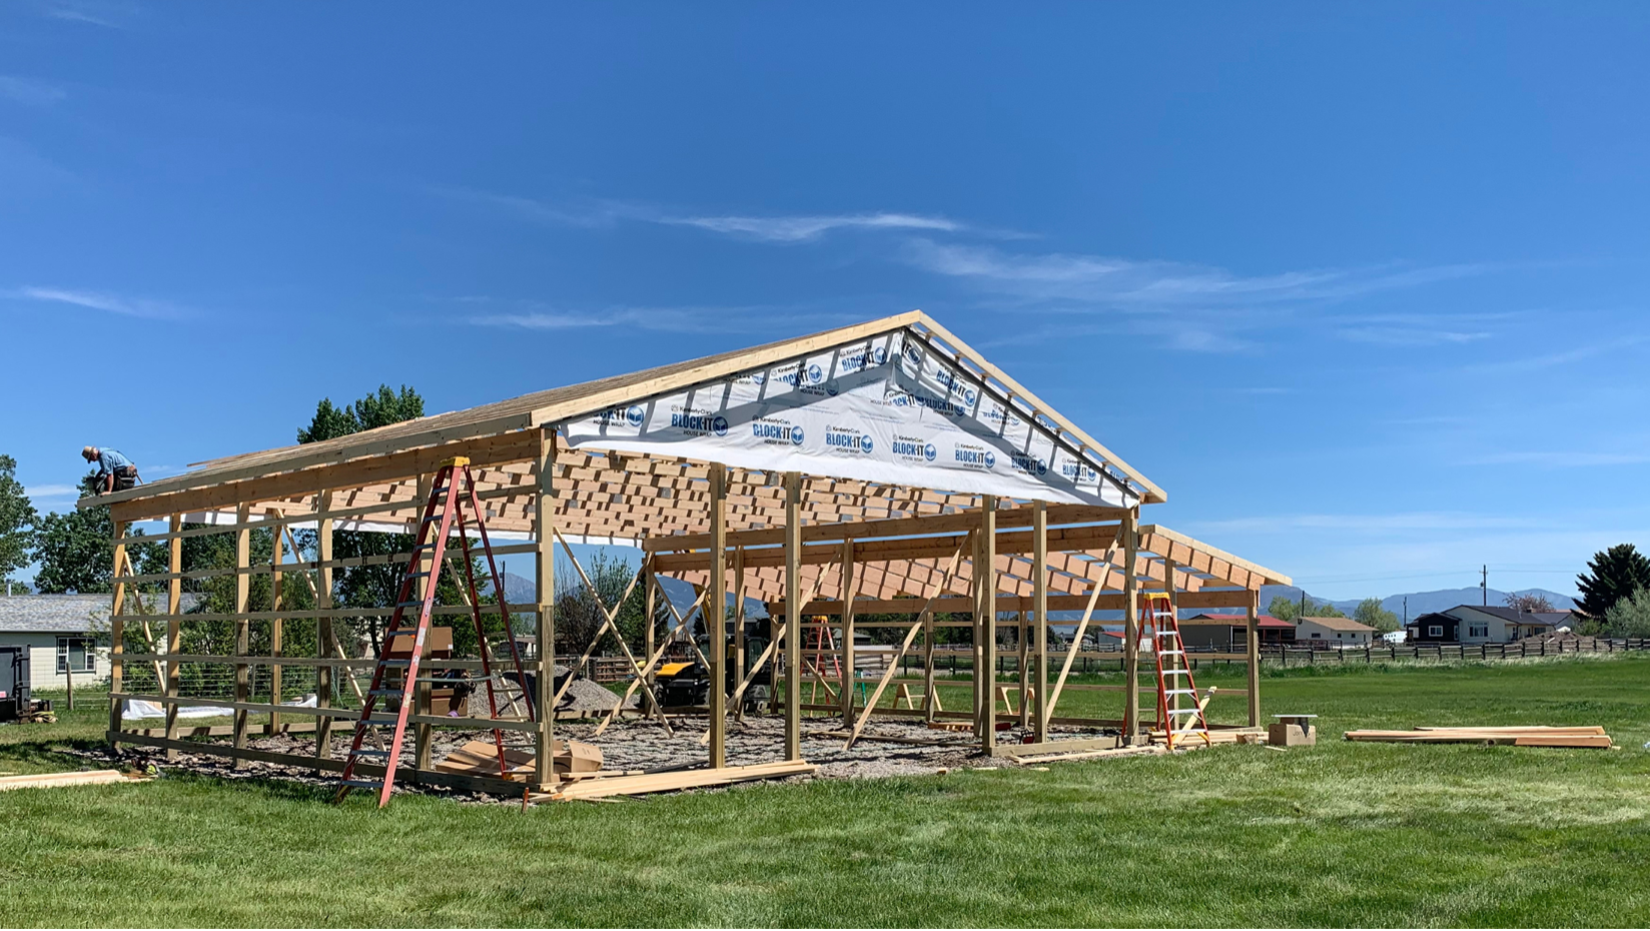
437, 643
1291, 735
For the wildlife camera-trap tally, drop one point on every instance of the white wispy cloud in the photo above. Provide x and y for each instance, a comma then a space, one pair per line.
103, 13
1153, 284
1369, 523
663, 319
1565, 357
52, 491
32, 93
97, 300
773, 229
805, 228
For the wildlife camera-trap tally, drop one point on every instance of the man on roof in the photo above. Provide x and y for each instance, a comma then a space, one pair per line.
114, 471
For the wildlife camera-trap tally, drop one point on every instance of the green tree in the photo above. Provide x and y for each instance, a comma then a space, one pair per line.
75, 550
1629, 616
379, 409
1287, 609
1369, 611
1612, 575
577, 615
17, 521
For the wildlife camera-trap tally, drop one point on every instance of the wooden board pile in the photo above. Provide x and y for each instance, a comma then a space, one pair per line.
54, 780
1538, 736
600, 785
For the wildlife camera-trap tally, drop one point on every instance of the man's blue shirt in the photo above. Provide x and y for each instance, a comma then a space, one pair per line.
108, 460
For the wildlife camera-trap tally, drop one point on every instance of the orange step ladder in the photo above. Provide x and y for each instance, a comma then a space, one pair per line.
452, 492
1178, 711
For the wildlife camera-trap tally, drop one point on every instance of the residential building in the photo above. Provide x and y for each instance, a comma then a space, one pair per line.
1487, 624
61, 634
1334, 631
1230, 632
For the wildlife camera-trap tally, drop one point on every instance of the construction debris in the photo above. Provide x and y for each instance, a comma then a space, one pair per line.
1537, 736
53, 780
480, 758
595, 788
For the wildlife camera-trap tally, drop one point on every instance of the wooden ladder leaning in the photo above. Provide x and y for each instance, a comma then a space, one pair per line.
451, 493
1178, 711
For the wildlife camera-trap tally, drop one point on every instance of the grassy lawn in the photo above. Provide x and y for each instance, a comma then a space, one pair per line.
1341, 834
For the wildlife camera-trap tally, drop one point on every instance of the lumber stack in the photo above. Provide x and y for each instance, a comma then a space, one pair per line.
53, 780
1536, 736
672, 781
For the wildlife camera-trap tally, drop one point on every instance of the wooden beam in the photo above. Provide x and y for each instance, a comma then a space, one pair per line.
325, 641
1039, 608
243, 628
716, 616
117, 634
962, 604
174, 630
849, 591
985, 574
251, 486
1252, 656
793, 616
1131, 628
544, 505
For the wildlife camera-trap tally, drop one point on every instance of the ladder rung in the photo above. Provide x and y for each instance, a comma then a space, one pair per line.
1180, 691
417, 575
1171, 652
1183, 711
407, 604
398, 663
1177, 671
362, 784
371, 753
386, 691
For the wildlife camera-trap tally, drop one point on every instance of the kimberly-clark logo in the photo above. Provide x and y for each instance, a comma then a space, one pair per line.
848, 441
815, 373
911, 353
1030, 465
634, 415
974, 457
777, 432
719, 425
858, 360
913, 448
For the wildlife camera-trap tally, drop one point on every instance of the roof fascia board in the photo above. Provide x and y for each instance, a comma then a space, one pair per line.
1272, 577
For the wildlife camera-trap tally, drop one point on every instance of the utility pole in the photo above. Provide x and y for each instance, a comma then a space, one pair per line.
1406, 610
1484, 586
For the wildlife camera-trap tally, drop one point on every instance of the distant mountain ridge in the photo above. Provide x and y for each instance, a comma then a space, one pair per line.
1422, 602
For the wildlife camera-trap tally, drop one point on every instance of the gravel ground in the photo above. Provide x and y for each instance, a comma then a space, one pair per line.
643, 744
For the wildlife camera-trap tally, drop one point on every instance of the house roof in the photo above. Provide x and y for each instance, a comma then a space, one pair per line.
1342, 623
67, 614
1515, 616
1238, 620
64, 614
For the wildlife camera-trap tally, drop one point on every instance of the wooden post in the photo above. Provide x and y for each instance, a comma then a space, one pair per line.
544, 516
68, 675
1253, 656
1039, 606
324, 637
117, 636
1022, 666
847, 657
715, 614
986, 574
174, 629
739, 627
793, 616
929, 705
423, 733
243, 626
1131, 628
649, 629
276, 625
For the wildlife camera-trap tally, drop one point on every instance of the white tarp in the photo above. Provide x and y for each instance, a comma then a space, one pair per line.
882, 410
136, 709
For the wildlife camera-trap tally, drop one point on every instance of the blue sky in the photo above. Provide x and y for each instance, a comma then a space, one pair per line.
1362, 288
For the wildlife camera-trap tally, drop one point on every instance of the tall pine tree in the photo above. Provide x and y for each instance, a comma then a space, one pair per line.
1612, 575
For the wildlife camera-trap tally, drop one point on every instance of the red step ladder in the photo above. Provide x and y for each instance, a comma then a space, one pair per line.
452, 492
1178, 711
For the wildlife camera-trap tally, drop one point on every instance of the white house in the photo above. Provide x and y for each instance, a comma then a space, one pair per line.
1335, 631
61, 632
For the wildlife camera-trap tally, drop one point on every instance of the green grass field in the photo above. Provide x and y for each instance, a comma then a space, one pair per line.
1340, 834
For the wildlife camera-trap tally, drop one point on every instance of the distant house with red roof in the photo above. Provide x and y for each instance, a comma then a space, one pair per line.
1230, 632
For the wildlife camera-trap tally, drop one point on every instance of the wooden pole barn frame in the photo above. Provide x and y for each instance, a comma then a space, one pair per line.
808, 545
